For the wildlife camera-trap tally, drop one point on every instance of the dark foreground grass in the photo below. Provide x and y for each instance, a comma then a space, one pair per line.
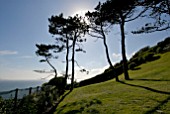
148, 92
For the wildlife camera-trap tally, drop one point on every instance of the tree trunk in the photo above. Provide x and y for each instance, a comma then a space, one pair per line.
55, 71
125, 66
107, 54
67, 60
73, 53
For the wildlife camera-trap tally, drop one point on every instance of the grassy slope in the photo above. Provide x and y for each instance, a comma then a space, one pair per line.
148, 92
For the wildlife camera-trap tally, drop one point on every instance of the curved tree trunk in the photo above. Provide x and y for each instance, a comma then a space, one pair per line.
125, 66
55, 70
107, 54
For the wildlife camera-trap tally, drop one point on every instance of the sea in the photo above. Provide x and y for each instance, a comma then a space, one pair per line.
23, 86
7, 85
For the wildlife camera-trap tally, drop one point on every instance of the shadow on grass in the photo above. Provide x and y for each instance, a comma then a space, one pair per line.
156, 108
84, 106
151, 79
147, 88
154, 58
136, 68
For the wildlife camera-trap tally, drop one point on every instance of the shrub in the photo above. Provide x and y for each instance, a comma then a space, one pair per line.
59, 83
158, 50
27, 105
132, 65
140, 60
141, 51
38, 103
148, 56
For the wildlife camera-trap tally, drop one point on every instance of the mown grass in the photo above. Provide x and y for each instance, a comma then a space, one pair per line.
148, 92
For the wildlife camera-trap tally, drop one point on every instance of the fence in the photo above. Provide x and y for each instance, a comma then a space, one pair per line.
19, 93
31, 100
10, 99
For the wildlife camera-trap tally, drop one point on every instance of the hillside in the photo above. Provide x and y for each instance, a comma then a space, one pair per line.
147, 92
144, 55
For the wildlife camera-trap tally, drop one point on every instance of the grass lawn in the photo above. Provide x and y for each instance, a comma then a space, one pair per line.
147, 93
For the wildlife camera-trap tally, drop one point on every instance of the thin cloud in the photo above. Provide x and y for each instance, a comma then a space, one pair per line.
115, 55
8, 52
119, 56
26, 57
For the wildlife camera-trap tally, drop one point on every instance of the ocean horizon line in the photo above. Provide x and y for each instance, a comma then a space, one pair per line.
8, 85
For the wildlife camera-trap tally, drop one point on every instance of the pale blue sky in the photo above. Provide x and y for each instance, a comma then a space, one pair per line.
23, 23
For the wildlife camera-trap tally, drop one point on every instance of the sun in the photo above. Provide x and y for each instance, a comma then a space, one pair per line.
82, 14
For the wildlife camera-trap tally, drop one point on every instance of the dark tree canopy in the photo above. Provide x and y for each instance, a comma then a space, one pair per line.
44, 50
58, 25
115, 10
47, 51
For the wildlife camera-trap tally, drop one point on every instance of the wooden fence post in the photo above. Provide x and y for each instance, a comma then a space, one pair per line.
15, 99
30, 89
38, 88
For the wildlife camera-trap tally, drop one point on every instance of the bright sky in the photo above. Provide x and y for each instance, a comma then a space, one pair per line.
24, 23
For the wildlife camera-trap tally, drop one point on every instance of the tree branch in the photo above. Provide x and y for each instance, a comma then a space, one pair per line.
140, 14
96, 36
55, 71
151, 29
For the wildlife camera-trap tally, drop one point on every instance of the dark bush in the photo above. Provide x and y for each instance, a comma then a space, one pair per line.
59, 83
167, 40
141, 51
158, 50
107, 75
132, 65
148, 56
140, 60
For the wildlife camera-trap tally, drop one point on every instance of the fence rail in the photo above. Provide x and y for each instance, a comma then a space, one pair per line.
19, 93
10, 99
